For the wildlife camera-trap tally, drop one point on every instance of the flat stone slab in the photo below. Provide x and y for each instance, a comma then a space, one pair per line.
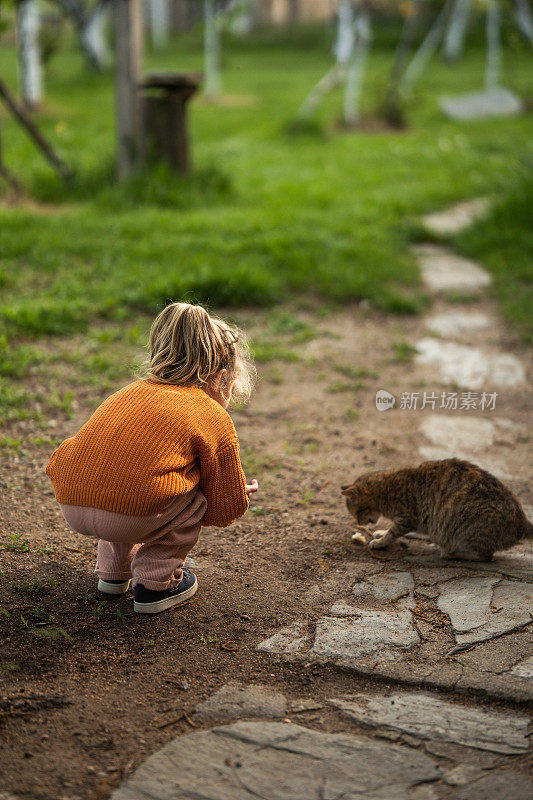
458, 434
524, 669
276, 761
288, 640
514, 563
360, 633
501, 784
445, 271
429, 717
458, 324
492, 464
496, 102
457, 217
468, 437
482, 608
469, 367
387, 587
237, 700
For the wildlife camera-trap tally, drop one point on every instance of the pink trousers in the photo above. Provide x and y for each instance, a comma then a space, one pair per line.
152, 549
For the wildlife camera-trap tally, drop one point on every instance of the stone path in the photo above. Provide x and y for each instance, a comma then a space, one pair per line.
273, 761
429, 717
420, 623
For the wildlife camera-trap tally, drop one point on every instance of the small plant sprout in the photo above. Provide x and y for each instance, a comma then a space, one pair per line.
97, 612
36, 586
405, 352
260, 511
52, 632
17, 544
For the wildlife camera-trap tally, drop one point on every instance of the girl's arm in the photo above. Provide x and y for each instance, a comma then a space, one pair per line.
223, 483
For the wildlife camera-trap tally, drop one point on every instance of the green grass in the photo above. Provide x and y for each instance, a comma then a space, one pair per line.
266, 216
504, 243
404, 352
17, 544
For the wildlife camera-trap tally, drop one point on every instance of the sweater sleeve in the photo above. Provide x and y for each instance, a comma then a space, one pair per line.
222, 481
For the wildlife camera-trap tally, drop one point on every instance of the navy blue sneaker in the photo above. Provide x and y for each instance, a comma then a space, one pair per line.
148, 601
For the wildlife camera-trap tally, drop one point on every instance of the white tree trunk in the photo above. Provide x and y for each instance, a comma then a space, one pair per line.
159, 12
493, 65
29, 54
241, 17
357, 66
212, 49
345, 33
426, 50
524, 18
94, 36
337, 74
457, 27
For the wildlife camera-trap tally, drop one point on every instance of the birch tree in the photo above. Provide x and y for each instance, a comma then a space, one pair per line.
159, 14
354, 36
90, 23
212, 48
29, 53
93, 35
357, 66
494, 58
457, 27
524, 18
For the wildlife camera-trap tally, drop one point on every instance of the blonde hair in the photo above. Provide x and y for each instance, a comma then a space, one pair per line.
188, 346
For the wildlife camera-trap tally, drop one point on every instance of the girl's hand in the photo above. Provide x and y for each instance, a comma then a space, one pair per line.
252, 487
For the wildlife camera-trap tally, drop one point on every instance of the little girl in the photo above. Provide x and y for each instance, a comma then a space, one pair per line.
159, 459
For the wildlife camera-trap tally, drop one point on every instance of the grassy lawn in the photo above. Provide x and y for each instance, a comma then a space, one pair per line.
504, 243
266, 216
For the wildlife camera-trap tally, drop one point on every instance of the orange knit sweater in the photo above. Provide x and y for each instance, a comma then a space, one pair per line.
148, 443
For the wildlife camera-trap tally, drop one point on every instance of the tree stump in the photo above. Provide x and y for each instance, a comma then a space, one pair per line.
164, 111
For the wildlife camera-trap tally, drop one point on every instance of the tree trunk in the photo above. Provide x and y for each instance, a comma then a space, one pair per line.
392, 107
293, 12
455, 35
128, 49
345, 33
426, 50
493, 65
212, 48
159, 12
524, 18
356, 69
337, 74
29, 55
90, 27
93, 36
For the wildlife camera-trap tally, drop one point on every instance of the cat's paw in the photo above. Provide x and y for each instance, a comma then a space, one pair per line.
380, 540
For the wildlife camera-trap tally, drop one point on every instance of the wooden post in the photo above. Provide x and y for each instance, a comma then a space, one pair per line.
128, 48
20, 114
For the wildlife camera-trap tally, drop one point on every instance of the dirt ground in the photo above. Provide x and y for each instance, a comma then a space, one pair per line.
81, 711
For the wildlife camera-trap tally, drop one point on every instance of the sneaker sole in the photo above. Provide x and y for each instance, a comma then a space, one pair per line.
113, 588
168, 602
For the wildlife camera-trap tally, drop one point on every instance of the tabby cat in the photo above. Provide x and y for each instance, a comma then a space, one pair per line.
465, 510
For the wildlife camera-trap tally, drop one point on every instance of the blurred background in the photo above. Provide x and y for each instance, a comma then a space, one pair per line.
249, 153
